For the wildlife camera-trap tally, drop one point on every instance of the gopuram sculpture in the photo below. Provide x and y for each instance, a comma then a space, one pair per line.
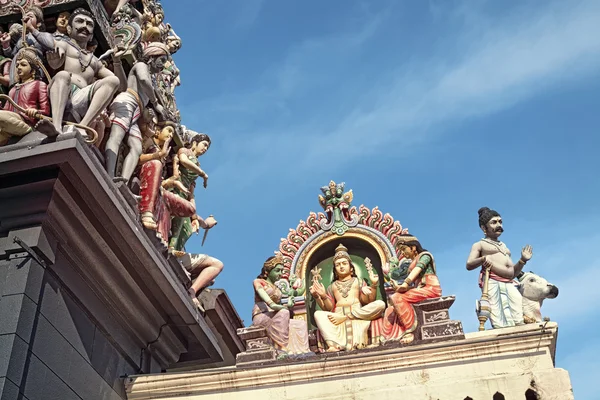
126, 108
510, 296
83, 87
289, 336
27, 99
501, 299
421, 283
118, 91
370, 283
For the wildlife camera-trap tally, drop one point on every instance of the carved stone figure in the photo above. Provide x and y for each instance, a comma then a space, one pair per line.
534, 290
186, 169
399, 321
348, 306
5, 64
84, 86
157, 205
29, 94
288, 335
127, 107
337, 204
36, 37
62, 23
494, 257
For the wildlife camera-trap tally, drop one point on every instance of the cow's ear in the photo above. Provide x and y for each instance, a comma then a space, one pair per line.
520, 276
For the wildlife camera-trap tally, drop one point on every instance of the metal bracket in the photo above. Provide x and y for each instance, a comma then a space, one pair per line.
29, 250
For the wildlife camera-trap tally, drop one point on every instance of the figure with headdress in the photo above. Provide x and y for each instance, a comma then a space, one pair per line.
288, 335
28, 93
126, 108
347, 306
421, 283
494, 258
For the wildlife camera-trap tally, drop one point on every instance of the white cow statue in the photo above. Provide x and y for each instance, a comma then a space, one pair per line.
534, 290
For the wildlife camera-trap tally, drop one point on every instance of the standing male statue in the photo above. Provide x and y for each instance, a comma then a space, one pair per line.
84, 86
490, 253
127, 107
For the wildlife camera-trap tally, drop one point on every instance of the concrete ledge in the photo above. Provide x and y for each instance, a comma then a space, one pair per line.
501, 357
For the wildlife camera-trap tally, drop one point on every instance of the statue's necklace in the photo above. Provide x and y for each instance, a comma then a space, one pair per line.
80, 53
499, 245
344, 287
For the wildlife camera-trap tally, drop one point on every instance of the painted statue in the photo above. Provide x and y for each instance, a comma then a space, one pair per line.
347, 306
288, 335
534, 290
29, 94
337, 204
505, 301
126, 108
62, 23
5, 64
157, 205
421, 283
35, 38
84, 87
186, 169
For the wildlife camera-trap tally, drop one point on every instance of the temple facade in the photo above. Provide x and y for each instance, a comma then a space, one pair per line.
100, 298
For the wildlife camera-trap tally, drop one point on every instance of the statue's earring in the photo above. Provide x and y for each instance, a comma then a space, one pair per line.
69, 29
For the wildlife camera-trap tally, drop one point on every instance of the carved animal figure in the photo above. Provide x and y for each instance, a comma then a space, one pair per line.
534, 290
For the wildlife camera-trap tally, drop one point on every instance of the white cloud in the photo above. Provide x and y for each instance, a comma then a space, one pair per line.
503, 61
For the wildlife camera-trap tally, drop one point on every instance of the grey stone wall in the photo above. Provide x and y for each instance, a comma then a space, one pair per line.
50, 348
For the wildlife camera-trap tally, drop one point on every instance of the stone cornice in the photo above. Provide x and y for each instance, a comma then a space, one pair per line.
88, 218
516, 342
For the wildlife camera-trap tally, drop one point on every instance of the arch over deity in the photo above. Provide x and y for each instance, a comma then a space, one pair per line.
374, 244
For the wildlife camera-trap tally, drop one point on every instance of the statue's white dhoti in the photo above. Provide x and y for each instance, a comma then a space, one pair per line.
506, 304
352, 332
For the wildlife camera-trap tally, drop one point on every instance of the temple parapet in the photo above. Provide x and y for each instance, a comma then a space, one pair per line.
514, 363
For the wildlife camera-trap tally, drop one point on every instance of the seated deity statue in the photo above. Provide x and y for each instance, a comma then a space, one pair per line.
29, 94
83, 87
288, 335
399, 321
347, 306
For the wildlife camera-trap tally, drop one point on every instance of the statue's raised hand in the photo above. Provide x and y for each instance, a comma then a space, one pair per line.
317, 290
526, 253
5, 40
56, 58
210, 222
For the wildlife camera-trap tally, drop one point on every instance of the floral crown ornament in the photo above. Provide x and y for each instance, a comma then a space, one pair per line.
341, 252
406, 239
271, 263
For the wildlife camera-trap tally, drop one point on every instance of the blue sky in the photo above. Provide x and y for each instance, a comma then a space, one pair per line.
427, 109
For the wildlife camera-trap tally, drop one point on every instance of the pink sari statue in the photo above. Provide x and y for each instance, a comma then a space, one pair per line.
399, 321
